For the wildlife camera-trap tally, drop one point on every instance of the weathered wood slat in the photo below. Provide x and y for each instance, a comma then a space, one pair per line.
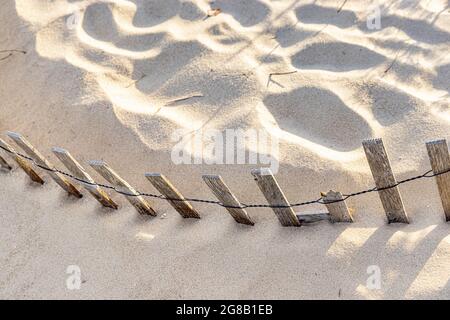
440, 162
338, 210
34, 176
41, 160
384, 177
78, 171
167, 189
275, 196
141, 205
226, 197
307, 218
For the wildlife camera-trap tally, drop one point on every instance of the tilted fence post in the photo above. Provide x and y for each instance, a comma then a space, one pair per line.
227, 198
179, 203
34, 176
384, 178
141, 205
275, 196
79, 172
440, 162
42, 161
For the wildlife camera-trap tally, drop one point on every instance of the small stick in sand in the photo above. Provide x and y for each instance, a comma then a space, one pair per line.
269, 80
212, 13
342, 5
183, 99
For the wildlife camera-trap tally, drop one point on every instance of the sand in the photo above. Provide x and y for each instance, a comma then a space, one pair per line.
103, 78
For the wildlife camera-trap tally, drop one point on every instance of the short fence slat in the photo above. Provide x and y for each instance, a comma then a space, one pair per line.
4, 164
167, 189
384, 177
78, 171
440, 162
313, 217
337, 208
34, 176
141, 205
227, 198
41, 160
275, 196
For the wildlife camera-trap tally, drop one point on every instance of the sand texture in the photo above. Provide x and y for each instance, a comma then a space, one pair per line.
113, 80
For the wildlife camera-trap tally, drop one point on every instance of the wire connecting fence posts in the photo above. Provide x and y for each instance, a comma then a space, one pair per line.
141, 205
335, 202
42, 161
78, 171
275, 196
337, 208
385, 180
224, 194
34, 176
173, 196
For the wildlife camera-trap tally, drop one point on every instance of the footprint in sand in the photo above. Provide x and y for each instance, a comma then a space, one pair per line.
442, 81
150, 12
320, 116
247, 12
315, 14
388, 105
98, 23
336, 56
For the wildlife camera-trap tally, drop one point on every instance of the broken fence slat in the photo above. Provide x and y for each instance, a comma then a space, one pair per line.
275, 196
78, 171
337, 208
34, 176
440, 162
307, 218
167, 189
226, 197
41, 160
384, 177
141, 205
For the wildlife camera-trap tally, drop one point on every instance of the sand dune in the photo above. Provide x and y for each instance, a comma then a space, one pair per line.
114, 79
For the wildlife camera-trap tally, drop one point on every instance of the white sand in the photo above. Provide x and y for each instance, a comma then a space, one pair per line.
97, 80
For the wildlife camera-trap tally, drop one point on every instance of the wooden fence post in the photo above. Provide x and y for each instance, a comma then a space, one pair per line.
163, 185
440, 162
384, 177
78, 171
34, 176
227, 198
275, 196
337, 208
141, 205
42, 161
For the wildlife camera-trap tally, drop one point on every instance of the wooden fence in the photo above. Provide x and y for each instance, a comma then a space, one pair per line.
334, 201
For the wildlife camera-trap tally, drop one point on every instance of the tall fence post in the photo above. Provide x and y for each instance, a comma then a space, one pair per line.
337, 208
179, 203
141, 205
70, 163
384, 178
275, 196
34, 176
42, 161
227, 198
440, 162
